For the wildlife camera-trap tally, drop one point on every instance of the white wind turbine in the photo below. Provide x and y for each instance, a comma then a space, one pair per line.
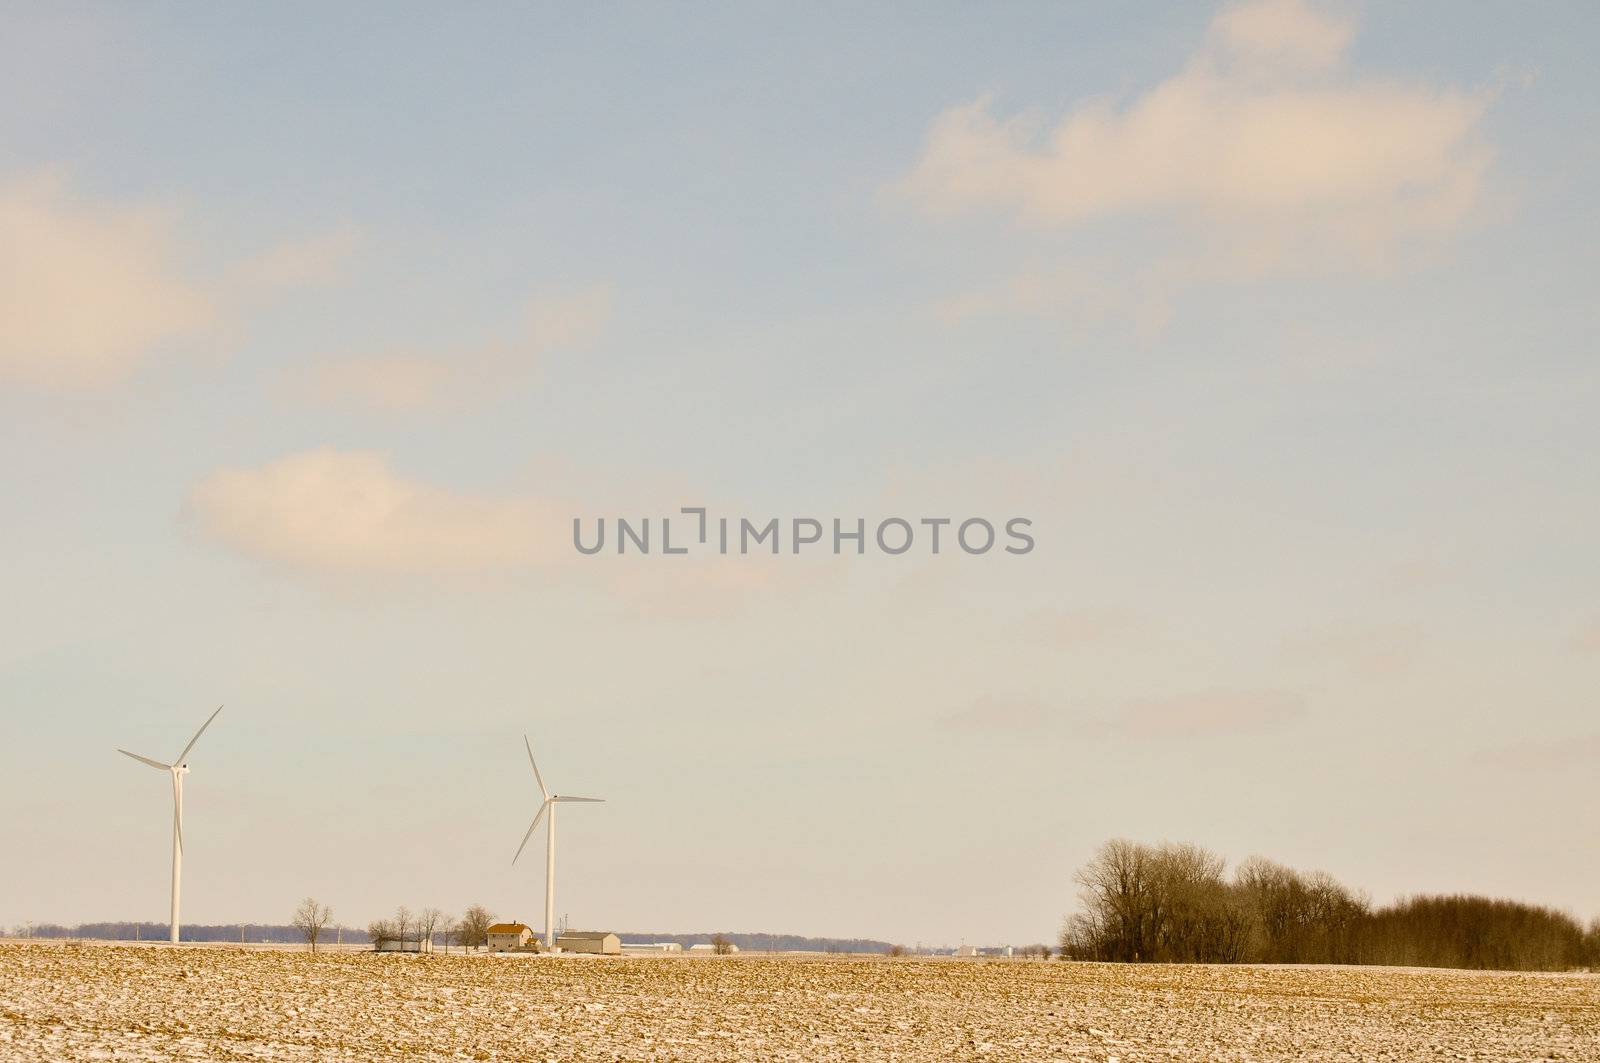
549, 805
179, 769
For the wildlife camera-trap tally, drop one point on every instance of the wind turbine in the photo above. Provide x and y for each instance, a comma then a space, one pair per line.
550, 802
179, 769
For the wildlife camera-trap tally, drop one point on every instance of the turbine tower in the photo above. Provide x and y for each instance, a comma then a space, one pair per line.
550, 801
179, 768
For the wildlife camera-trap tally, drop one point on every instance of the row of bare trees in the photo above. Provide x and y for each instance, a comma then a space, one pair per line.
1167, 903
1174, 903
1479, 932
470, 930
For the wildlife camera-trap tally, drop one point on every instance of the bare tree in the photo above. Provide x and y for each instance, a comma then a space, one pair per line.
402, 925
721, 945
449, 928
427, 921
1167, 903
473, 930
310, 918
380, 931
1120, 906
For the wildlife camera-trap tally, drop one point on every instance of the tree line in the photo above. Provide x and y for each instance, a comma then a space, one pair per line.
311, 924
1175, 903
469, 930
131, 930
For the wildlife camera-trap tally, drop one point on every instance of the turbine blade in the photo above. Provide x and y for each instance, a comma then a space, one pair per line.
536, 818
564, 797
197, 735
536, 776
146, 760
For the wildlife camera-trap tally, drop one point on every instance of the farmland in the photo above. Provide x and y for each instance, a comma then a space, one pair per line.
82, 1001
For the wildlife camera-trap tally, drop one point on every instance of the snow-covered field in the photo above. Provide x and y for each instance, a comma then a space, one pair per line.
80, 1002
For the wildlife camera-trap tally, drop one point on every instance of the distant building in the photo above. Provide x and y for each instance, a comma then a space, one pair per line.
409, 945
506, 937
599, 942
984, 950
651, 946
706, 946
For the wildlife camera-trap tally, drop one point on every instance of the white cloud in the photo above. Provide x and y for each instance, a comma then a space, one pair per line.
405, 381
338, 512
315, 259
1267, 142
349, 519
88, 292
1283, 33
397, 382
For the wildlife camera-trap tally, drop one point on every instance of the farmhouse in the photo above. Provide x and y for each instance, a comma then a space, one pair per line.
504, 937
600, 942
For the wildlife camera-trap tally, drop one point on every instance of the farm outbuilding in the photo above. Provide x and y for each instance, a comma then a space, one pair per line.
506, 937
600, 942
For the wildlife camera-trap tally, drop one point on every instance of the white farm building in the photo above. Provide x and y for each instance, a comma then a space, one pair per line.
598, 942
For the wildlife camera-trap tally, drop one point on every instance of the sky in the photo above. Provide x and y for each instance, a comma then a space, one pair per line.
318, 328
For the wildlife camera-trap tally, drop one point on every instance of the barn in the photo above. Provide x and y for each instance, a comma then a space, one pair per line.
600, 942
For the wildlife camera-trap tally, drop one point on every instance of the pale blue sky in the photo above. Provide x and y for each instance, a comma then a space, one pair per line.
1311, 462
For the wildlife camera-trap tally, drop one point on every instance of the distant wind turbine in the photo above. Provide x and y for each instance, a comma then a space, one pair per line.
179, 768
549, 805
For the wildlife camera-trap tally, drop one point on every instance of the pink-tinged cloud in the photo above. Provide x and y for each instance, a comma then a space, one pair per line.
410, 381
991, 713
344, 513
1268, 134
89, 292
1212, 712
1371, 651
1556, 755
1072, 628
